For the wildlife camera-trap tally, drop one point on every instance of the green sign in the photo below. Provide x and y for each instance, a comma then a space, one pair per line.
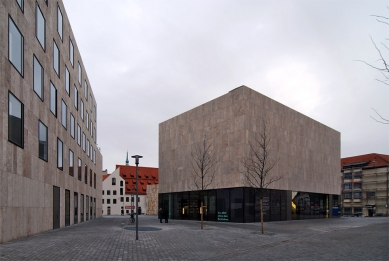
222, 216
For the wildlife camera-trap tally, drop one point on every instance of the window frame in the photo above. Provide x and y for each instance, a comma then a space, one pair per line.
72, 126
83, 141
71, 163
71, 52
79, 73
52, 86
59, 157
64, 122
67, 80
43, 45
21, 5
21, 119
55, 47
75, 96
35, 60
21, 71
40, 123
59, 11
82, 109
79, 169
78, 134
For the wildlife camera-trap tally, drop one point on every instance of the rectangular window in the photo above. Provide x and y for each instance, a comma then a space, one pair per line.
102, 201
90, 177
75, 97
59, 22
82, 110
67, 80
59, 154
95, 136
108, 192
113, 192
42, 136
121, 199
357, 185
55, 58
357, 194
108, 201
86, 174
79, 73
114, 201
78, 135
127, 199
86, 90
83, 141
64, 118
79, 169
87, 147
90, 104
347, 186
38, 78
87, 120
94, 157
40, 26
113, 182
95, 113
21, 4
15, 120
94, 180
15, 46
347, 195
91, 154
72, 126
358, 174
53, 99
91, 129
71, 163
347, 175
71, 52
370, 194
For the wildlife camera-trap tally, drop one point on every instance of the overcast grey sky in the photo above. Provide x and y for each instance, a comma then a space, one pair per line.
148, 61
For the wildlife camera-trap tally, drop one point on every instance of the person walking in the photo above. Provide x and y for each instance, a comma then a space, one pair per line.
160, 215
166, 215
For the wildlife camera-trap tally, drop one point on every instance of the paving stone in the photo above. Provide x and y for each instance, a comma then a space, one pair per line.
108, 238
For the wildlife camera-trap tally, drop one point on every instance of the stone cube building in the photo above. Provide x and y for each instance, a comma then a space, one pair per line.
50, 165
308, 152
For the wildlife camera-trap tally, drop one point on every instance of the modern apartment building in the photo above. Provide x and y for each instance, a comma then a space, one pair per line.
365, 185
308, 153
50, 165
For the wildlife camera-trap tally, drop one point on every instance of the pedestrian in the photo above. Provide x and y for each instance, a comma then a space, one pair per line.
122, 212
160, 215
166, 215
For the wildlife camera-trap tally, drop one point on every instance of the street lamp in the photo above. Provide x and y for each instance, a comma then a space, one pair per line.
136, 157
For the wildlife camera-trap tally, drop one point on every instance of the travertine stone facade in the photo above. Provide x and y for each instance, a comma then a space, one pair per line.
309, 151
152, 200
26, 181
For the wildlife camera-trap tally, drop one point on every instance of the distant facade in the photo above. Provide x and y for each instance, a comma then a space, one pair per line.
309, 155
365, 185
50, 165
119, 189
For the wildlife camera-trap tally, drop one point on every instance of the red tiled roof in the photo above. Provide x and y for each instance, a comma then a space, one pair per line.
372, 160
104, 176
146, 175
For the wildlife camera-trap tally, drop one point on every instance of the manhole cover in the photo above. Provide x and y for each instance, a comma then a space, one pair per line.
143, 228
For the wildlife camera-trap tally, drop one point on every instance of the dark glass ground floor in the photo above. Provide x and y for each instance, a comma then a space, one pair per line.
242, 205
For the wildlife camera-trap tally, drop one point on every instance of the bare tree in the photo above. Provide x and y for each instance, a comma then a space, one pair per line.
204, 166
383, 68
258, 165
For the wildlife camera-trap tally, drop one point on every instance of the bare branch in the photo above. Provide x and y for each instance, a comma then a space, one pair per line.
385, 121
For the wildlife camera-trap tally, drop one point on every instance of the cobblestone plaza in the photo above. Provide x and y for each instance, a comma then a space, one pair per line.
112, 238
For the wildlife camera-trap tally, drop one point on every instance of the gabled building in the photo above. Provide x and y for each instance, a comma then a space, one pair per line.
365, 185
119, 189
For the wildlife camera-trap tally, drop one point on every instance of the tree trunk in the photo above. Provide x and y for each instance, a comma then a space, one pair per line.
201, 213
261, 208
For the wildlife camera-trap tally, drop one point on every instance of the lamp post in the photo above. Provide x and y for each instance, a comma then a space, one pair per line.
136, 157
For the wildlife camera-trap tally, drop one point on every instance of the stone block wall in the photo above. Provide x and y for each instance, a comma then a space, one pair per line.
308, 151
152, 200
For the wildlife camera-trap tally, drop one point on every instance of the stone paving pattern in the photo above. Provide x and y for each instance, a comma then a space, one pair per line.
105, 238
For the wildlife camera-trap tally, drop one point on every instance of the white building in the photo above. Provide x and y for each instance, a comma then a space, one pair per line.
115, 199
